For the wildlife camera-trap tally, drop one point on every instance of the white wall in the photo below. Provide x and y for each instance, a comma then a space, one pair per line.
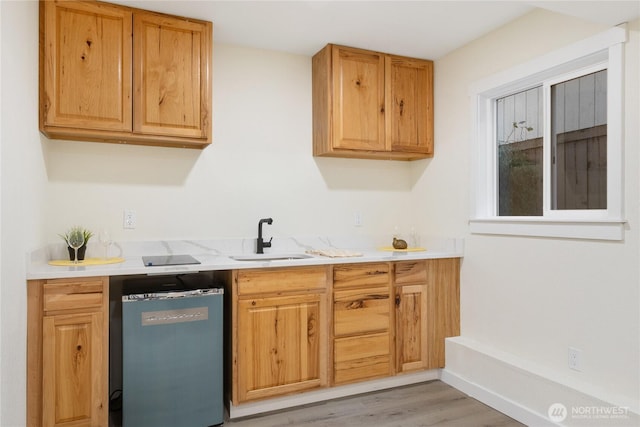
532, 298
22, 195
260, 164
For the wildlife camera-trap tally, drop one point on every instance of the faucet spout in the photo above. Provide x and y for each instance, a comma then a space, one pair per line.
260, 243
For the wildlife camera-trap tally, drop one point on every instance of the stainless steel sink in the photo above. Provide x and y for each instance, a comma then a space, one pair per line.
270, 257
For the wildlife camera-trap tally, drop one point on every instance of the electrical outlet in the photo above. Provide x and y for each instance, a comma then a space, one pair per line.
575, 359
129, 219
357, 219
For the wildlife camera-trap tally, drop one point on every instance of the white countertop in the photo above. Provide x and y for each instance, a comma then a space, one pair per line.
215, 255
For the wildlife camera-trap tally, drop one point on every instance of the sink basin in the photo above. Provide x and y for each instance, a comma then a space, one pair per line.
270, 257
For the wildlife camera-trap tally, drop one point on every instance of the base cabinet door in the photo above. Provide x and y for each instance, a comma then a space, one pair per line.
73, 380
411, 327
281, 348
68, 352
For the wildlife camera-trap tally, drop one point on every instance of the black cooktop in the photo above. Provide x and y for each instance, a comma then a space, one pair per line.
160, 260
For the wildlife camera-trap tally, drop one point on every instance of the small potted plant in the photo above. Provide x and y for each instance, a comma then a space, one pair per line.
72, 233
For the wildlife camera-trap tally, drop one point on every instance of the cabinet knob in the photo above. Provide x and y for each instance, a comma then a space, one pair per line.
397, 300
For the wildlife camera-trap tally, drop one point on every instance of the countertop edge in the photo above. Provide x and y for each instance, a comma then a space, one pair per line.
134, 265
215, 255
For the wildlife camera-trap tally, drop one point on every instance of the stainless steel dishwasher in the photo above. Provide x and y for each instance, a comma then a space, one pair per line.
172, 352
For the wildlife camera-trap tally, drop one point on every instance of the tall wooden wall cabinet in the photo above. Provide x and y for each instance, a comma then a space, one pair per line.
110, 73
371, 105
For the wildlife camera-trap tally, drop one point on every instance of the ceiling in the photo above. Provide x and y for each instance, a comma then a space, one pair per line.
423, 29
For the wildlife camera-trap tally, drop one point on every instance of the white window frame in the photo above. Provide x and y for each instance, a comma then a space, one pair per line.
602, 51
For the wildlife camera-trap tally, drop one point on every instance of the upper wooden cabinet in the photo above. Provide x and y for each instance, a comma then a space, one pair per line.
115, 74
371, 105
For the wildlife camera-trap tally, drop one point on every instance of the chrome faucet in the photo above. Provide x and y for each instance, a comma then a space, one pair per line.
261, 244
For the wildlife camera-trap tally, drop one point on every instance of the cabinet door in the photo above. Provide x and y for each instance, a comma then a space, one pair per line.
409, 105
411, 327
85, 66
74, 367
171, 76
281, 345
358, 99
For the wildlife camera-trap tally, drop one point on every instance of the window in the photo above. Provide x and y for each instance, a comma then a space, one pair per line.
519, 146
548, 144
579, 142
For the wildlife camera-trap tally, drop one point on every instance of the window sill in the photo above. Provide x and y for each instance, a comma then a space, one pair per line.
540, 227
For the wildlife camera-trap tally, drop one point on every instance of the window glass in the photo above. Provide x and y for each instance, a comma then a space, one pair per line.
579, 142
519, 149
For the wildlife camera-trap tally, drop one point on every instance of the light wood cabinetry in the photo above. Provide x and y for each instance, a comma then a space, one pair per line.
443, 293
67, 354
289, 330
110, 73
427, 297
411, 316
362, 328
371, 105
279, 334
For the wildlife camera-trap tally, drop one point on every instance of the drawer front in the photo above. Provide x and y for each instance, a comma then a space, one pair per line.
68, 295
298, 279
358, 311
351, 275
410, 272
360, 358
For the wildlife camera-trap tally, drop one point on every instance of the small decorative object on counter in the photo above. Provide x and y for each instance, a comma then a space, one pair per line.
73, 231
399, 244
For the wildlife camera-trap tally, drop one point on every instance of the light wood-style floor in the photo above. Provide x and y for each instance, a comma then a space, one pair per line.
433, 403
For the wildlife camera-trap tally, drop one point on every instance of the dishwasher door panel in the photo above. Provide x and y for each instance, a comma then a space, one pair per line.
172, 362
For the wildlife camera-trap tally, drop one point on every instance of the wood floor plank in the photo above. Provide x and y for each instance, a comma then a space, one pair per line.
433, 403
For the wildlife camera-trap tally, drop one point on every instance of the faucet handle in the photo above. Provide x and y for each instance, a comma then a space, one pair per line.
267, 244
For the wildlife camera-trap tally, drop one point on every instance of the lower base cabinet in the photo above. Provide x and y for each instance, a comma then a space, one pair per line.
427, 298
279, 337
362, 339
279, 345
383, 319
291, 329
68, 350
412, 346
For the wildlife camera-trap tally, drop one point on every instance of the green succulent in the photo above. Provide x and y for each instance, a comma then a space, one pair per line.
77, 229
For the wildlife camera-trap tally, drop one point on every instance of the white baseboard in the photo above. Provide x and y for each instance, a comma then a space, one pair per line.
525, 392
497, 402
253, 408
